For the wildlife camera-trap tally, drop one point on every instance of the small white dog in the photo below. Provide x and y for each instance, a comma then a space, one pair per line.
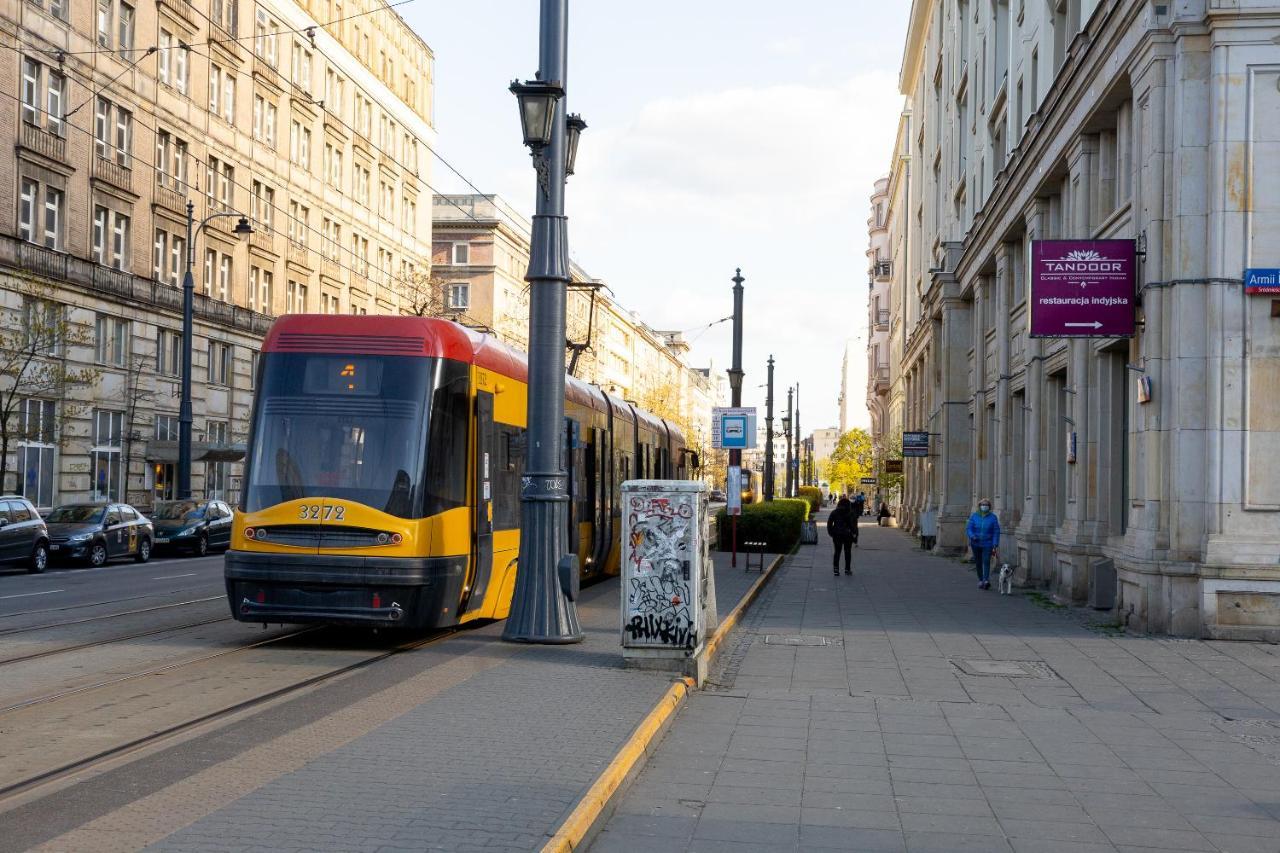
1006, 579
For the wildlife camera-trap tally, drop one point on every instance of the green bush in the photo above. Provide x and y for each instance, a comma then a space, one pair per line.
814, 496
776, 523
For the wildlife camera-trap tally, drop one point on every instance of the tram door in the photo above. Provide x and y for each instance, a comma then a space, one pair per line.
598, 485
486, 463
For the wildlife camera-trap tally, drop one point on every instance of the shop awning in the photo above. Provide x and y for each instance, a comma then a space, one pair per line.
159, 450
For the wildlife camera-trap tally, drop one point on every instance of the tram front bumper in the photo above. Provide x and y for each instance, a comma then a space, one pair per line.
410, 592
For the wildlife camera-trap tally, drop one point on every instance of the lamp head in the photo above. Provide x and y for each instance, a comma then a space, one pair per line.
574, 125
242, 227
537, 99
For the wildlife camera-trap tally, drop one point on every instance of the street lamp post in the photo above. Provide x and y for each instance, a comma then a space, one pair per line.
542, 606
786, 430
768, 436
799, 438
188, 308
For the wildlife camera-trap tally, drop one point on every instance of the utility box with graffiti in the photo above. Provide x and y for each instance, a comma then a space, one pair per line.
668, 586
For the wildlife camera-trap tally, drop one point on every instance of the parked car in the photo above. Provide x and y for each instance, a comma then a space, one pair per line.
24, 538
194, 526
97, 533
717, 495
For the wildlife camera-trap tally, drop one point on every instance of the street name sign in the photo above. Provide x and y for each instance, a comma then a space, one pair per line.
1261, 280
733, 428
1083, 288
915, 444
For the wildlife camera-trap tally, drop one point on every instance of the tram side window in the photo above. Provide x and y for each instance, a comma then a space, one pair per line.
506, 485
447, 443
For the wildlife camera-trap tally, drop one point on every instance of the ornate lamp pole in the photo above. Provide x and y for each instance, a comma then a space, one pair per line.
542, 606
786, 430
768, 436
188, 307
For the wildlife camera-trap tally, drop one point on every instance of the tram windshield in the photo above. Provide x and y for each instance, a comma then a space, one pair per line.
389, 432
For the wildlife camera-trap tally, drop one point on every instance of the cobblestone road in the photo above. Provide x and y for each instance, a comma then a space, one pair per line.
903, 709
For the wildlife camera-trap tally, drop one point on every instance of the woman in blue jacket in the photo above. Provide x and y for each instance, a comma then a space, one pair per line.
983, 531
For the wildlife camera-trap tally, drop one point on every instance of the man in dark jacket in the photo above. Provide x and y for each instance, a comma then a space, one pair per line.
842, 526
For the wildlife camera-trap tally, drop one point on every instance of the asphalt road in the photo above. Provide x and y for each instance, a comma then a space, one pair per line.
64, 588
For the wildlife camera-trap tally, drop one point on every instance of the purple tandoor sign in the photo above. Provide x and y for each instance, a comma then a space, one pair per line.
1082, 288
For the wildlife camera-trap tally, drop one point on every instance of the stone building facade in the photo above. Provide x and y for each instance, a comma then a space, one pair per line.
1088, 119
879, 271
312, 119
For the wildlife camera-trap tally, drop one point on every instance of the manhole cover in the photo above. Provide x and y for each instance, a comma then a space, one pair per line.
794, 640
1003, 668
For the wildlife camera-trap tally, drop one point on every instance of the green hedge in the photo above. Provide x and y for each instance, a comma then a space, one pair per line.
814, 496
776, 522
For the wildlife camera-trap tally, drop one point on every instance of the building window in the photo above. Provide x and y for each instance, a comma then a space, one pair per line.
264, 120
219, 179
260, 286
112, 131
167, 427
333, 92
110, 238
462, 253
265, 35
299, 222
386, 201
295, 297
328, 303
333, 165
167, 257
409, 213
302, 67
171, 66
42, 321
105, 456
361, 180
168, 353
222, 93
263, 202
36, 445
460, 296
217, 274
171, 161
364, 116
332, 233
215, 473
360, 251
219, 363
57, 8
111, 340
43, 106
225, 14
33, 225
300, 144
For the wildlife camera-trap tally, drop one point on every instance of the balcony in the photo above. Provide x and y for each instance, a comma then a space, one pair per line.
329, 267
883, 270
111, 172
298, 254
880, 379
169, 199
262, 238
264, 71
181, 10
43, 142
882, 320
78, 272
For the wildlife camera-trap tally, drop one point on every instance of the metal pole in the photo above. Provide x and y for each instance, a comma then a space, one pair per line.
735, 388
768, 436
542, 610
184, 409
799, 438
788, 425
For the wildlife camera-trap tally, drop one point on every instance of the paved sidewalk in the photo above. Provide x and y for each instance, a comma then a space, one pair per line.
931, 716
468, 745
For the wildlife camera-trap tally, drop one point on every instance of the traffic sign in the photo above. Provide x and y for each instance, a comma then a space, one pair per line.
1083, 288
1262, 280
733, 428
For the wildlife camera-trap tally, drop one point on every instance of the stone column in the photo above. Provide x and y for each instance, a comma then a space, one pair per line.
1007, 505
1036, 525
955, 439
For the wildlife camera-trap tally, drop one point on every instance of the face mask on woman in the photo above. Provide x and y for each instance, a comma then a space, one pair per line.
984, 508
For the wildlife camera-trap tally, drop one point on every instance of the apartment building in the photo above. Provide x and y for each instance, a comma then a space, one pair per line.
311, 119
879, 268
1139, 474
479, 260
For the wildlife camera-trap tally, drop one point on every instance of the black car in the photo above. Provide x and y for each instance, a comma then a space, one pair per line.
192, 525
98, 532
23, 536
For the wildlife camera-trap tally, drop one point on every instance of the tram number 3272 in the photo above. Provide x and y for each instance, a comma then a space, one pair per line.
322, 512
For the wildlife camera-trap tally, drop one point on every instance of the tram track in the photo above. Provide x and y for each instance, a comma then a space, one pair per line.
48, 626
108, 641
118, 751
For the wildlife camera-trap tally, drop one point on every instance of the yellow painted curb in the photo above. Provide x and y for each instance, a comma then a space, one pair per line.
575, 828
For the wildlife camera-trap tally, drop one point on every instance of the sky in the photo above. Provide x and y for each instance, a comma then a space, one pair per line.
721, 134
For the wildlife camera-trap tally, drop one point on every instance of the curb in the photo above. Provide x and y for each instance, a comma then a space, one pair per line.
577, 827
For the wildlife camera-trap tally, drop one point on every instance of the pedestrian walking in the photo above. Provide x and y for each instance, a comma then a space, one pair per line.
983, 531
885, 515
859, 509
842, 527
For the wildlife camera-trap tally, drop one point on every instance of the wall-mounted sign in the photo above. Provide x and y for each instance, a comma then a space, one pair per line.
1260, 280
867, 481
1083, 288
1071, 448
733, 490
1144, 389
733, 428
915, 444
893, 466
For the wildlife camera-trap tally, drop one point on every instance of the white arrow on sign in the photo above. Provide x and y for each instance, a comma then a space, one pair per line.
1094, 325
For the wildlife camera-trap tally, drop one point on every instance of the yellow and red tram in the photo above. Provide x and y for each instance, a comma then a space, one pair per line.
382, 485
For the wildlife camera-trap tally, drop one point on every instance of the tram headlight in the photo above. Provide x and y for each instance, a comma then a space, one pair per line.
383, 538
